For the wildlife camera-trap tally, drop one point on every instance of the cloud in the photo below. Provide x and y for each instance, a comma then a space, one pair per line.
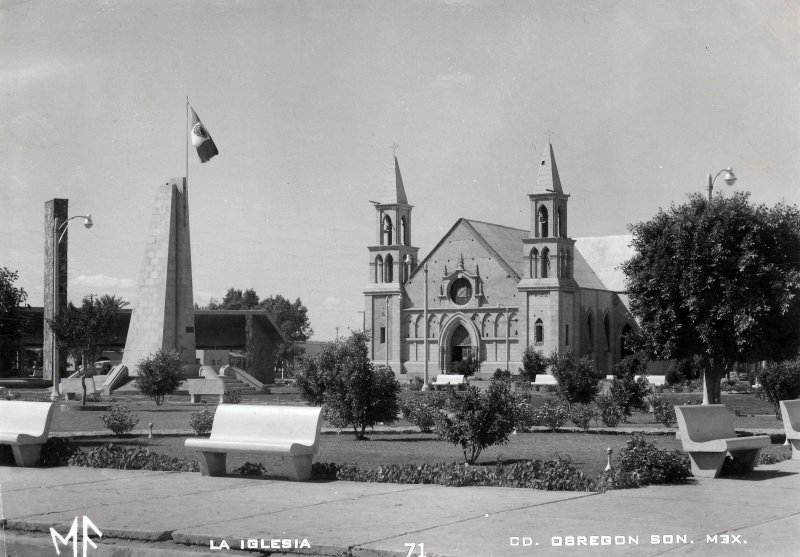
332, 302
33, 72
102, 284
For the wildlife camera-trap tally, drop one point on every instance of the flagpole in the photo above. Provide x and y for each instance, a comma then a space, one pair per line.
187, 140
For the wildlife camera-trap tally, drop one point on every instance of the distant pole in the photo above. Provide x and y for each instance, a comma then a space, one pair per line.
337, 333
56, 394
363, 320
425, 327
387, 332
187, 140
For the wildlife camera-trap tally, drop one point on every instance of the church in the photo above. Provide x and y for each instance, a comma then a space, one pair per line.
489, 290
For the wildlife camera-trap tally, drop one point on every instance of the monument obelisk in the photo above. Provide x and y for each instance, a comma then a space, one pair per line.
163, 311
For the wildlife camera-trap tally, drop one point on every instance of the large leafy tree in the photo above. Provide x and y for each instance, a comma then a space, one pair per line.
81, 330
719, 280
343, 380
12, 320
290, 317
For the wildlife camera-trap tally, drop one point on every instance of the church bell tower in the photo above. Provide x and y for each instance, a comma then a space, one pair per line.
550, 293
392, 258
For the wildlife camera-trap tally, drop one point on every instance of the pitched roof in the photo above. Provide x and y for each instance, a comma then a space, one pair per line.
505, 241
604, 255
394, 191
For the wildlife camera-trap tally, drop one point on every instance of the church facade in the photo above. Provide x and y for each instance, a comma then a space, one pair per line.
490, 291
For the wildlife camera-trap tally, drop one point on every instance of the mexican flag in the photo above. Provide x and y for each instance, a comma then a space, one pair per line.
201, 139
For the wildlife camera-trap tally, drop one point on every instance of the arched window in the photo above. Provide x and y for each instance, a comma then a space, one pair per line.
607, 330
538, 331
624, 349
388, 275
590, 327
545, 263
379, 269
403, 235
569, 265
387, 230
559, 224
543, 218
534, 263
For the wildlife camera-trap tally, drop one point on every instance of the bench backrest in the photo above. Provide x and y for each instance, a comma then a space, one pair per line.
704, 423
73, 385
449, 379
544, 379
29, 418
790, 412
250, 422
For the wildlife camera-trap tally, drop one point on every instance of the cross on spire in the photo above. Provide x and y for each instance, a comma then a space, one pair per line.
395, 147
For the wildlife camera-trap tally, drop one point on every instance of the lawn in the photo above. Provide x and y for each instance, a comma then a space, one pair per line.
587, 452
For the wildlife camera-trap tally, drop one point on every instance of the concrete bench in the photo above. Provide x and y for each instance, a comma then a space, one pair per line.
707, 435
543, 380
790, 412
25, 426
289, 431
200, 387
451, 379
72, 386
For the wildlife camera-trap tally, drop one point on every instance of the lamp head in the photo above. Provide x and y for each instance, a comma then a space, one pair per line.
729, 177
408, 260
87, 221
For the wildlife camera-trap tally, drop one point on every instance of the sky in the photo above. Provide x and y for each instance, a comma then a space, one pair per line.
305, 100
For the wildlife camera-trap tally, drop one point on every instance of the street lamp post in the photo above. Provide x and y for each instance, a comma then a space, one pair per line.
62, 228
425, 327
729, 179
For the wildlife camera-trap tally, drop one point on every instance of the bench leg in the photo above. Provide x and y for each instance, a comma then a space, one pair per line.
212, 464
299, 467
222, 399
195, 398
795, 448
746, 460
706, 465
27, 455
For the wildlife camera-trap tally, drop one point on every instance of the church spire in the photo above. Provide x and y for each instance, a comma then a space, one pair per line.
394, 190
548, 172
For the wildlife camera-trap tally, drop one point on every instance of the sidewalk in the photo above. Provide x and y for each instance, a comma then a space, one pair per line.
144, 513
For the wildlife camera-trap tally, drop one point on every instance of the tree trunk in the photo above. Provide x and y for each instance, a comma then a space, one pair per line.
83, 380
712, 375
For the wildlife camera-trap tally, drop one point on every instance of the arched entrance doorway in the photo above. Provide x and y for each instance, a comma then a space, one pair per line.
460, 347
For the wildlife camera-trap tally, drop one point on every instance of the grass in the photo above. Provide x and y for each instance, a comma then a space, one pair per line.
587, 452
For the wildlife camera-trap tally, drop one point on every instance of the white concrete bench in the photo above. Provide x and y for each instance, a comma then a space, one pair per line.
25, 426
289, 431
790, 412
707, 435
543, 380
72, 386
451, 379
200, 387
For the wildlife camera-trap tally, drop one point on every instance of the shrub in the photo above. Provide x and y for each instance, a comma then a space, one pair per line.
609, 411
527, 415
343, 380
779, 381
160, 374
233, 397
251, 469
627, 391
581, 415
576, 377
202, 421
663, 411
57, 451
467, 367
415, 384
501, 374
476, 421
119, 419
533, 363
422, 411
553, 415
137, 458
651, 464
684, 370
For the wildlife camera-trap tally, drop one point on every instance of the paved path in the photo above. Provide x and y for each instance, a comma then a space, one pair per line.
144, 513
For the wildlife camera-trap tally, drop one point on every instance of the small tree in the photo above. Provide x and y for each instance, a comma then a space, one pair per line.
160, 374
576, 377
343, 380
80, 331
779, 381
12, 320
627, 391
475, 421
467, 367
533, 364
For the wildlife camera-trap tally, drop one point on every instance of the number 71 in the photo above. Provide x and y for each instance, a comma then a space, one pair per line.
412, 546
